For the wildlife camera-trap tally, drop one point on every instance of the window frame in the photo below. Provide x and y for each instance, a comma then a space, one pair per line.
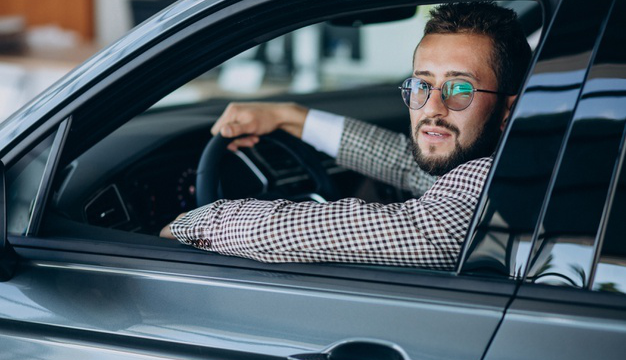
43, 193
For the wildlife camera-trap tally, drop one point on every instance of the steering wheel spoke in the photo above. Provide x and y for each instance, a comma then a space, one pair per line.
207, 179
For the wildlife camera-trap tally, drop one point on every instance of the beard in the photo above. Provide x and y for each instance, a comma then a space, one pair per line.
484, 145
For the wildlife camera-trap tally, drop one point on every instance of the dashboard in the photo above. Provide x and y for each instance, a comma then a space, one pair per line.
143, 175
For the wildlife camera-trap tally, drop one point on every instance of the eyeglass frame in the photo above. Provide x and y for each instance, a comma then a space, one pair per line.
431, 87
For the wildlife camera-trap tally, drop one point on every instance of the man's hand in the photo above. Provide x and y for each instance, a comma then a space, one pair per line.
166, 233
259, 119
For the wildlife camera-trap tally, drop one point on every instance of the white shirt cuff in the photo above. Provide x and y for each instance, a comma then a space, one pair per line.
323, 131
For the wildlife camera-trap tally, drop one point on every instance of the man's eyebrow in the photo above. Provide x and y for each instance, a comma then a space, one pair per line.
461, 73
423, 73
449, 74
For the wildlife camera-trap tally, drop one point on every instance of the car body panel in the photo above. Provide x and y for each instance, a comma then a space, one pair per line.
252, 311
561, 323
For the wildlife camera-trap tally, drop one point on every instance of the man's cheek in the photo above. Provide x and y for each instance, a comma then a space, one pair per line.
467, 137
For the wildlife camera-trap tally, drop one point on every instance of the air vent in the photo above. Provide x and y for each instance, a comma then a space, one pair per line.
107, 209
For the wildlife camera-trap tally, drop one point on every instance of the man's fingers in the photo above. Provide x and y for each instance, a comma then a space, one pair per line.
248, 141
260, 119
224, 119
237, 119
235, 128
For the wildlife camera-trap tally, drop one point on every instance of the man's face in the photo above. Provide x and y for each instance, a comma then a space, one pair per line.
443, 138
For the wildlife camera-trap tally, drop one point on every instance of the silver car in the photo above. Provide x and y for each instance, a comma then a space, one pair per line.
95, 165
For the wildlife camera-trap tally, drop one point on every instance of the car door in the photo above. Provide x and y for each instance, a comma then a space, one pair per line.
571, 303
104, 293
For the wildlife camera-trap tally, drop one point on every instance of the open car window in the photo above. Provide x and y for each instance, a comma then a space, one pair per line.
142, 175
147, 168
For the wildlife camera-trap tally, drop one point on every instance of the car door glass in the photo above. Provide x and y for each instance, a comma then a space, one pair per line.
569, 231
610, 272
24, 180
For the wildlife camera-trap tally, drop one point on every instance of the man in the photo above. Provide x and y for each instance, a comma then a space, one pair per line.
467, 67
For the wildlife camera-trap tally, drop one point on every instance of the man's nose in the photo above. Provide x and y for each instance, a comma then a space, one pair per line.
434, 106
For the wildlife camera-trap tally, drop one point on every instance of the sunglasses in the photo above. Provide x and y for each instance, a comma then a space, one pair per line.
456, 94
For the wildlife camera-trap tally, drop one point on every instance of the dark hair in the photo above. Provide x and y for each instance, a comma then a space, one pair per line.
511, 52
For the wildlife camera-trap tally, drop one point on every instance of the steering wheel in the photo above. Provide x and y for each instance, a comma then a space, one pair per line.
207, 178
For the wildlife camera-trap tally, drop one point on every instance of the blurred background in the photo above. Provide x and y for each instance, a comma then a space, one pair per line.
42, 40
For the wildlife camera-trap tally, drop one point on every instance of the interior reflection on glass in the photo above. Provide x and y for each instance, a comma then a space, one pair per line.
610, 91
523, 173
566, 244
565, 248
564, 261
610, 274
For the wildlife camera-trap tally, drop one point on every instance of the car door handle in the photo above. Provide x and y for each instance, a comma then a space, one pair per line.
357, 349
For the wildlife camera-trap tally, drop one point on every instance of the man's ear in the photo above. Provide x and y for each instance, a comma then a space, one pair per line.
508, 104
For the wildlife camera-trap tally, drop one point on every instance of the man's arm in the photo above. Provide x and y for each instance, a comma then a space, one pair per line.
383, 155
373, 151
368, 149
425, 232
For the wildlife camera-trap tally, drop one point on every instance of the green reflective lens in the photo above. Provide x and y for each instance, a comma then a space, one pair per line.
463, 88
457, 94
454, 88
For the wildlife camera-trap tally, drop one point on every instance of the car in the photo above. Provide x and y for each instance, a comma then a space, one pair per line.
99, 162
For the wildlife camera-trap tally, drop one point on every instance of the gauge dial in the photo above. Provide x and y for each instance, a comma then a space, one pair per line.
186, 189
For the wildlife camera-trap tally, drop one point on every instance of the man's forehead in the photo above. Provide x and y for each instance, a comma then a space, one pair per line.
454, 55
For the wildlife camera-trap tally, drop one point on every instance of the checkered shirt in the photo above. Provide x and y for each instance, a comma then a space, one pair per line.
425, 232
392, 164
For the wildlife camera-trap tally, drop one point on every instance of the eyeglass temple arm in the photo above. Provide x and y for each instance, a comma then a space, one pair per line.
493, 92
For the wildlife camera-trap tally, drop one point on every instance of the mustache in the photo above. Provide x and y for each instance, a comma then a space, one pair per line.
438, 122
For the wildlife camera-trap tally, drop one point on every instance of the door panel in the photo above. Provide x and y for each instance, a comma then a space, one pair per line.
222, 309
539, 329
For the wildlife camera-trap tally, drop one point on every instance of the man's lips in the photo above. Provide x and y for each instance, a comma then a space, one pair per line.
435, 134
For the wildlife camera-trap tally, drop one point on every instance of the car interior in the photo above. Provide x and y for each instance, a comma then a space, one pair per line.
143, 174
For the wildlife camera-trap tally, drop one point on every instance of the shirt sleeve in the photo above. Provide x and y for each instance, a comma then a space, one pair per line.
322, 130
383, 155
426, 232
